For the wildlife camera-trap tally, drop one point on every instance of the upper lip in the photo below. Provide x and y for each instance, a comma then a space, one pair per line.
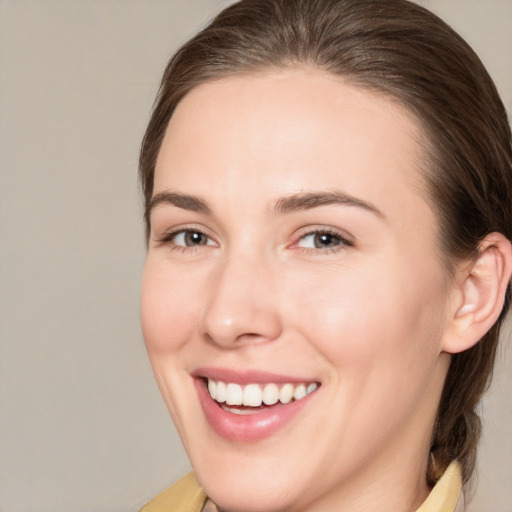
247, 376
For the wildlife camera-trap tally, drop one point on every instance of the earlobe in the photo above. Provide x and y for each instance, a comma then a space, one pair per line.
483, 285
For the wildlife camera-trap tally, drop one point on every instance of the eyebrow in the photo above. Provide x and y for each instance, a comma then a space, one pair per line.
184, 201
308, 200
288, 204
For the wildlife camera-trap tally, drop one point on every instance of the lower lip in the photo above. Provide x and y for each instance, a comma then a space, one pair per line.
247, 428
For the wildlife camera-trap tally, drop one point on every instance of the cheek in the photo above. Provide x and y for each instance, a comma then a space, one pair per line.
167, 314
358, 318
167, 320
379, 335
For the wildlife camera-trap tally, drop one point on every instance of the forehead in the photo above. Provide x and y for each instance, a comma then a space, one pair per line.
296, 129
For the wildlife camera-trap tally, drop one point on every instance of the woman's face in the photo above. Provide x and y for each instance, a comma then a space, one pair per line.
293, 257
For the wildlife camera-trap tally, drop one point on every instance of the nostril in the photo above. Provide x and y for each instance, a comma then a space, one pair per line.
254, 326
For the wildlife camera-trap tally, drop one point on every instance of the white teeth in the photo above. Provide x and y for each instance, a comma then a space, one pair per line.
212, 388
234, 394
220, 392
270, 394
286, 393
254, 395
311, 388
300, 392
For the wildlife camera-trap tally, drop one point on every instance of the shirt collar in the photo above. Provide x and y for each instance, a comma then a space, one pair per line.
446, 495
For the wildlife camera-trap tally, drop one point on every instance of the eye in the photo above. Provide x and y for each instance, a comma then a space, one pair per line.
190, 238
322, 239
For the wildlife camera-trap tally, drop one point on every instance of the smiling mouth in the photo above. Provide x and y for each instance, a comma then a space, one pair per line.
253, 398
249, 406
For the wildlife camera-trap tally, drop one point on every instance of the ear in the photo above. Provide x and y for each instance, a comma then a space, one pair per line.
482, 285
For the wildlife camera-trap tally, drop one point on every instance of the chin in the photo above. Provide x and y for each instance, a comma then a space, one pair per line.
246, 478
250, 493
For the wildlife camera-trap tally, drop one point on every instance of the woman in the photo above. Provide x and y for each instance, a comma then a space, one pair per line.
328, 200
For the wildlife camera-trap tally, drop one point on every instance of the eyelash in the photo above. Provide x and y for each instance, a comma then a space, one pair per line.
343, 242
168, 239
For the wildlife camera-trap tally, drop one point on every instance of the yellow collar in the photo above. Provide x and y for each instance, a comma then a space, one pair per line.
446, 494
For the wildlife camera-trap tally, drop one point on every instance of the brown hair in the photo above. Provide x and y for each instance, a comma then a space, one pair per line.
402, 50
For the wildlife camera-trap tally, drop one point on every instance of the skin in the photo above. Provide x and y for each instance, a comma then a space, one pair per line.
367, 318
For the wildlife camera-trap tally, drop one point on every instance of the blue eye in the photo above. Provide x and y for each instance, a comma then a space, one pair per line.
191, 238
322, 240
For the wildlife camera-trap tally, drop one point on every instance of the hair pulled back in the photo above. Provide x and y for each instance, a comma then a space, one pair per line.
399, 49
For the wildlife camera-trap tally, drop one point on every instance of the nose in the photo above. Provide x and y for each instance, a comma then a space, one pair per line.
241, 304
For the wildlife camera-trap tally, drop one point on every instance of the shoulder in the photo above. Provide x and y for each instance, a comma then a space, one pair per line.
184, 496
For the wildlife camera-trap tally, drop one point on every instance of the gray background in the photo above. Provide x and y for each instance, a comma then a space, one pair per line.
82, 425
